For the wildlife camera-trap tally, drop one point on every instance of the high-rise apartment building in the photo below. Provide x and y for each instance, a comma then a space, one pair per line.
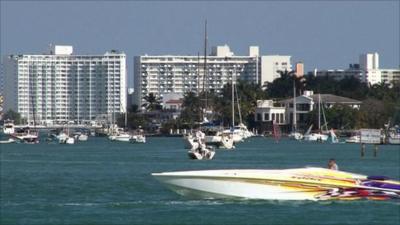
60, 87
166, 74
369, 65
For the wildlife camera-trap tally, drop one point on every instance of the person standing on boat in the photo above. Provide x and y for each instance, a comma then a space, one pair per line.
332, 165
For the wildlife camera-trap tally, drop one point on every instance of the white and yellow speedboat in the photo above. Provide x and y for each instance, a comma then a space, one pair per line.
286, 184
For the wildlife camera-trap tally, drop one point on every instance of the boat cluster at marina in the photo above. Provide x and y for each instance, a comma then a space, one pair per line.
67, 135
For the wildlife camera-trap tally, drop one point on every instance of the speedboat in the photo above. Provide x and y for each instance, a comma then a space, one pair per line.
198, 148
286, 184
204, 152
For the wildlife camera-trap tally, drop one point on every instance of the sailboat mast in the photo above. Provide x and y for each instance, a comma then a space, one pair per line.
126, 111
238, 103
205, 64
319, 112
294, 107
233, 99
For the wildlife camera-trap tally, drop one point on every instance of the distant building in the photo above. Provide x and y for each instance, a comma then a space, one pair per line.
173, 104
366, 71
299, 69
59, 87
172, 101
338, 74
271, 64
390, 75
166, 74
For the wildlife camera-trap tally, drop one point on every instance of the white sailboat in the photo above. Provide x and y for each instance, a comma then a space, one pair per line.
239, 132
394, 136
319, 136
213, 135
65, 137
295, 134
116, 133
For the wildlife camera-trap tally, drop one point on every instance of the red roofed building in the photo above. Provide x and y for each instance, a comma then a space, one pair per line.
173, 104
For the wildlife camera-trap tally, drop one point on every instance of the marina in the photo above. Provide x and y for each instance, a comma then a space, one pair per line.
103, 182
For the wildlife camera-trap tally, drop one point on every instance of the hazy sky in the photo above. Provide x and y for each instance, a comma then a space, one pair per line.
325, 35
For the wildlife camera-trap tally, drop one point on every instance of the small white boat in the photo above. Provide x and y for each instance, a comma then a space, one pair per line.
9, 127
123, 137
83, 137
219, 139
138, 138
69, 140
287, 184
227, 142
9, 141
190, 142
198, 149
353, 139
199, 154
26, 135
394, 139
237, 133
296, 135
64, 138
316, 137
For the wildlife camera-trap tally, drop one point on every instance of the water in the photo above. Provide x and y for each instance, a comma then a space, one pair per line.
99, 182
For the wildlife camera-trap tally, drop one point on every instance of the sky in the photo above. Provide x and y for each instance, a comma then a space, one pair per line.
322, 34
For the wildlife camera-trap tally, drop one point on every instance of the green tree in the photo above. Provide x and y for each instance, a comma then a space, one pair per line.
247, 94
282, 87
12, 115
191, 109
152, 102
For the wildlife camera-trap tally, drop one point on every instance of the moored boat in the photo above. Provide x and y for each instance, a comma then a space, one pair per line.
8, 127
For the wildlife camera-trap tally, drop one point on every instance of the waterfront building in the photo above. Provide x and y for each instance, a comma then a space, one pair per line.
166, 74
309, 101
60, 87
267, 112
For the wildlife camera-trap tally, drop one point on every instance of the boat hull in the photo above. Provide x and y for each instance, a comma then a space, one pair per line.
294, 184
214, 188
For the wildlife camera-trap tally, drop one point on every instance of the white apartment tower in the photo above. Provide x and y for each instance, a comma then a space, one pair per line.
166, 74
60, 87
369, 65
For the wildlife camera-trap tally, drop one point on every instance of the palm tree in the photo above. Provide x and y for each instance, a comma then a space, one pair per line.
152, 102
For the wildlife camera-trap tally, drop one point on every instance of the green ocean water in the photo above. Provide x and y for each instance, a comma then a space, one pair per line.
103, 182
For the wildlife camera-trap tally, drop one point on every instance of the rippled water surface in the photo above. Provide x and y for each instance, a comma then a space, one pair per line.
102, 182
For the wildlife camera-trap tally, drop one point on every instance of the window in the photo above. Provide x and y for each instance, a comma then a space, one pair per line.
258, 116
266, 116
